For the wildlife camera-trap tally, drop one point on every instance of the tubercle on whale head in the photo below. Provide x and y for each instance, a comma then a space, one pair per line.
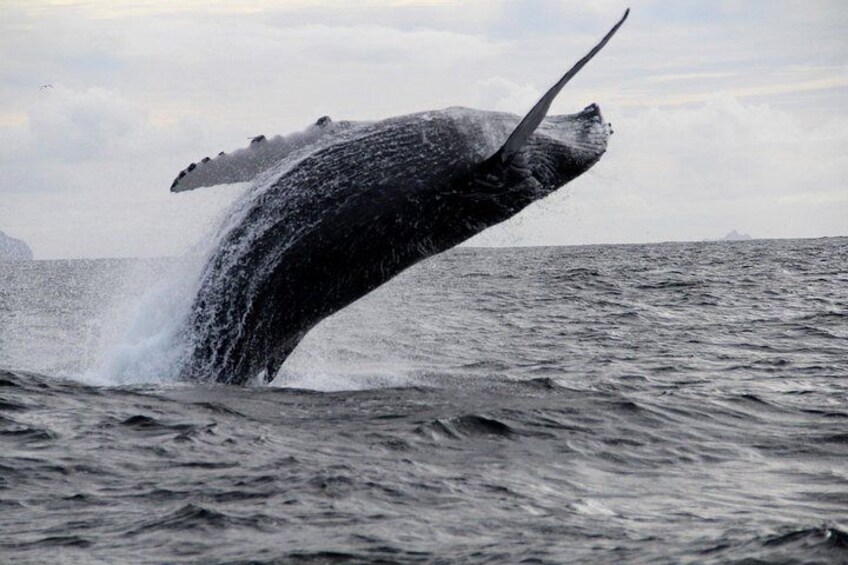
584, 131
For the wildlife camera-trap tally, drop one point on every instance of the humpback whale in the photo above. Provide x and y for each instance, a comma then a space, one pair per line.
342, 207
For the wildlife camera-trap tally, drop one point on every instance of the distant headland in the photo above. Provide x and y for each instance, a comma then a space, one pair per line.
736, 236
12, 249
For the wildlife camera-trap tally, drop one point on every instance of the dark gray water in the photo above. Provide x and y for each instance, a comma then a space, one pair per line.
647, 404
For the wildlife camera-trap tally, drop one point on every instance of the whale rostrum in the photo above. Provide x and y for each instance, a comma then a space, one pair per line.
342, 207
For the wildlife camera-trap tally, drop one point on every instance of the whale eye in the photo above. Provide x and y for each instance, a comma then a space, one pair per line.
323, 121
221, 153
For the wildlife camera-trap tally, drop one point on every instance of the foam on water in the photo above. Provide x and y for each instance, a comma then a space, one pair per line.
323, 362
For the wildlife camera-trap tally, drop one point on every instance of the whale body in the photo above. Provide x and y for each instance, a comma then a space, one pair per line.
343, 207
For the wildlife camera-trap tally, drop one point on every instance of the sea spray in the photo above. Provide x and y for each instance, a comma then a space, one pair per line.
143, 340
146, 337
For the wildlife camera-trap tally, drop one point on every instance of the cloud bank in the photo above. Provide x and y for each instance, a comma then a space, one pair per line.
727, 114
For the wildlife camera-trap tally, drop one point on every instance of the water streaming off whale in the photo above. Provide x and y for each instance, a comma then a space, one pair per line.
349, 206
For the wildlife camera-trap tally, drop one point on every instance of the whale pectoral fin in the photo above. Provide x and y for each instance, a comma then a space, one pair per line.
244, 165
534, 117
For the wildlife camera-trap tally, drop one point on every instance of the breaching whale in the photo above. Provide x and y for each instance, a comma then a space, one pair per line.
343, 207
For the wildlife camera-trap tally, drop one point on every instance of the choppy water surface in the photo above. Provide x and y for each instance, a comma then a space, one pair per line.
654, 403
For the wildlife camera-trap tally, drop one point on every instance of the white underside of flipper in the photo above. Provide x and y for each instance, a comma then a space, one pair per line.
244, 165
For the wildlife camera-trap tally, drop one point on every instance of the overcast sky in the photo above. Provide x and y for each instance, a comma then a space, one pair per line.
727, 114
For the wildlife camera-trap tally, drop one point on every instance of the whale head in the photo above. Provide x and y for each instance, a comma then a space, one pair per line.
542, 153
561, 149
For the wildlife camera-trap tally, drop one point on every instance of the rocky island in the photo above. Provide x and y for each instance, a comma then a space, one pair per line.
12, 249
736, 236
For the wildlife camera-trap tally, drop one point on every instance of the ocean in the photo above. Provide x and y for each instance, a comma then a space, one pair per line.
663, 403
